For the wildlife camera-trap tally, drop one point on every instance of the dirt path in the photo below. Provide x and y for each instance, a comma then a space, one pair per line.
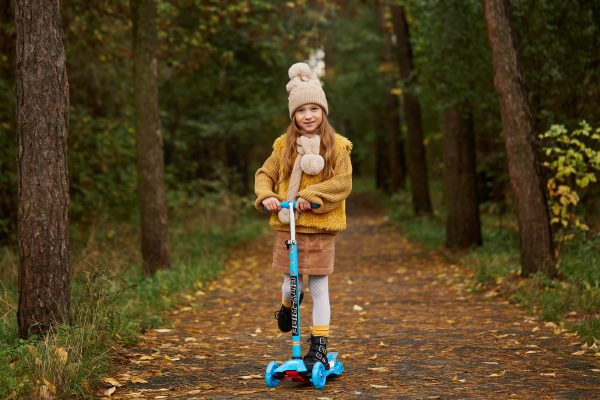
401, 321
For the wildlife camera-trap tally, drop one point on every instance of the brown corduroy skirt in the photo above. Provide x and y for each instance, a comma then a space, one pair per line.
316, 253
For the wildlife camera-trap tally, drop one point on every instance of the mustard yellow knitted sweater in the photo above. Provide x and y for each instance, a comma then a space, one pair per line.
329, 194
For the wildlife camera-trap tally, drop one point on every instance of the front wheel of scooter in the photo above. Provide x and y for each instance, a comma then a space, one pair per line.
270, 379
318, 376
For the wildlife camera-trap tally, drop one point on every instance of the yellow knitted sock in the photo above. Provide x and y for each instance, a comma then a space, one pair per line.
320, 330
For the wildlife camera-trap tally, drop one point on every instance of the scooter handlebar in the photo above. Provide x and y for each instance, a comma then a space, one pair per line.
287, 204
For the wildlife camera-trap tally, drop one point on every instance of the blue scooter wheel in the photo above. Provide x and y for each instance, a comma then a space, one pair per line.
318, 376
270, 379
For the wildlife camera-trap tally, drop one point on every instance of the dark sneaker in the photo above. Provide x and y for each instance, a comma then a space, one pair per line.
317, 352
284, 316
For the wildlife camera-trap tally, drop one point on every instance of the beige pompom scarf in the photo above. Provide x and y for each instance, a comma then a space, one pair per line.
308, 161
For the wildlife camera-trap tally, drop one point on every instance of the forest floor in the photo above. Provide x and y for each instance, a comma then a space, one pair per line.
403, 321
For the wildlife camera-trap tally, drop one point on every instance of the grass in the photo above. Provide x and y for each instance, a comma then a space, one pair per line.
112, 301
571, 300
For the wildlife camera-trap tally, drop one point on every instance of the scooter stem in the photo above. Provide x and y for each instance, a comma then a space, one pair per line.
294, 283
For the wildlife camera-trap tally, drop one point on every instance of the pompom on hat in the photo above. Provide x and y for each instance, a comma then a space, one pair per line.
304, 88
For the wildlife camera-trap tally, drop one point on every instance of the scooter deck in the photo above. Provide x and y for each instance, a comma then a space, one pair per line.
295, 370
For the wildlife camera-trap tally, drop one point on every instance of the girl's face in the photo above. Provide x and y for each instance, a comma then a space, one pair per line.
309, 117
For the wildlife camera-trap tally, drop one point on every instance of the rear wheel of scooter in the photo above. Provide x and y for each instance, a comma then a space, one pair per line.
318, 376
270, 379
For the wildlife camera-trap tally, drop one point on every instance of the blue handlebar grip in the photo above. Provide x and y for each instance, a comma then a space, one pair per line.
286, 204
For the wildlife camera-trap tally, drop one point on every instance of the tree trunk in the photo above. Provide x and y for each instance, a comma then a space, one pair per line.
381, 162
537, 252
151, 175
394, 170
463, 228
417, 161
43, 182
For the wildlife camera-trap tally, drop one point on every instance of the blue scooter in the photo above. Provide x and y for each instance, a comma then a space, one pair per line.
295, 369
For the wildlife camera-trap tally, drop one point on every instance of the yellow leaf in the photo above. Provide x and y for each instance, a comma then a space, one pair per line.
110, 391
245, 377
136, 379
112, 381
61, 354
379, 369
49, 385
379, 386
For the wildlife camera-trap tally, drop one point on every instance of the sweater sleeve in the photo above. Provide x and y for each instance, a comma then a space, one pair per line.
331, 192
265, 179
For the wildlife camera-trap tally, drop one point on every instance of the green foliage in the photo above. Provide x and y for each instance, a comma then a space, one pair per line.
354, 82
426, 230
498, 257
573, 159
102, 164
551, 35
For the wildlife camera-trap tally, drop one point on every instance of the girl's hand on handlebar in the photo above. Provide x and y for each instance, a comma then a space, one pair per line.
271, 204
303, 205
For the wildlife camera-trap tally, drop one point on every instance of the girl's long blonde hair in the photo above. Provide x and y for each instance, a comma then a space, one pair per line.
327, 150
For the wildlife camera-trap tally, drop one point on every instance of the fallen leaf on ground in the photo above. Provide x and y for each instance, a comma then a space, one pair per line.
379, 369
112, 381
110, 391
357, 308
379, 386
163, 330
137, 379
250, 377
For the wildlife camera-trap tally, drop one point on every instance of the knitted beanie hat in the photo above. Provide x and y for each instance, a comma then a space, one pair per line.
304, 88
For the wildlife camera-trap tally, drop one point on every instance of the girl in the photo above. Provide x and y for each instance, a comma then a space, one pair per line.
310, 162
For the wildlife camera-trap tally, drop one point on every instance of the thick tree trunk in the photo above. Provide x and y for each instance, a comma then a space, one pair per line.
151, 175
537, 253
463, 228
43, 181
393, 168
417, 161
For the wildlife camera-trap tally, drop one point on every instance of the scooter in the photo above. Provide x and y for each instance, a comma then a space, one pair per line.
295, 369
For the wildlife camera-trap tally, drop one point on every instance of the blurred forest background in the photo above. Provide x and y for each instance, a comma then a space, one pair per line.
222, 70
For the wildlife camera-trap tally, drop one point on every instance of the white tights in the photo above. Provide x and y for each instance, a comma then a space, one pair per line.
318, 285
